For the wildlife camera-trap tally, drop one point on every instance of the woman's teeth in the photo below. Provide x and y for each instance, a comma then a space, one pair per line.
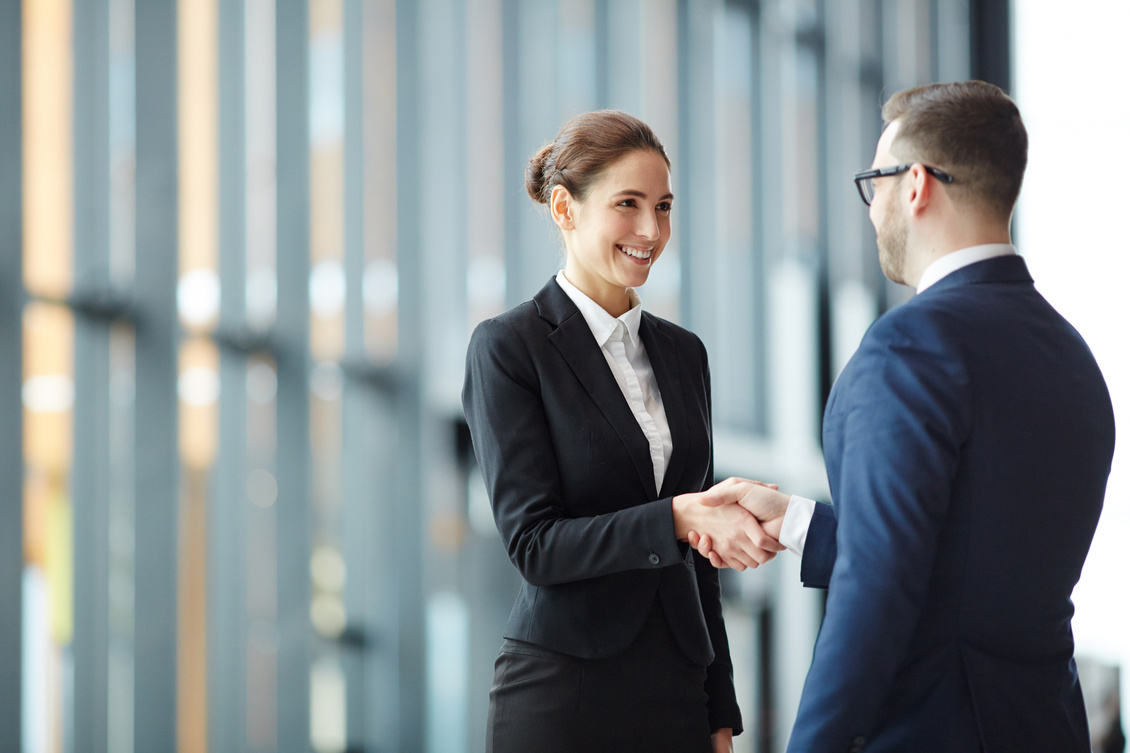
636, 253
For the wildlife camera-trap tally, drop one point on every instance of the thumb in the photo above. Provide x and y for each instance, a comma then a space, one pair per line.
725, 493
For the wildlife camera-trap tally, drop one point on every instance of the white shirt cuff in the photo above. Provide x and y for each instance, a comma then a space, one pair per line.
794, 528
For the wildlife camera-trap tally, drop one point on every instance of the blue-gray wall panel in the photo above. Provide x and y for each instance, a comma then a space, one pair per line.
227, 630
11, 376
292, 54
155, 450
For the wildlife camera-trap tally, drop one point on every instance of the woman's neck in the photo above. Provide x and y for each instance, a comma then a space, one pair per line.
612, 298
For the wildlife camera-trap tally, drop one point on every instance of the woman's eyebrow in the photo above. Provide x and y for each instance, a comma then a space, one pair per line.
641, 194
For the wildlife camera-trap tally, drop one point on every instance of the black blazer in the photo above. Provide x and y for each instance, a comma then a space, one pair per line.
570, 480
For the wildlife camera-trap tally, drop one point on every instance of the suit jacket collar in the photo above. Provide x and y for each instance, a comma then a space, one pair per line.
574, 340
998, 269
603, 324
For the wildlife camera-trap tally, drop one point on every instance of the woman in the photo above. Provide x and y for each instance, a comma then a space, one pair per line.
591, 424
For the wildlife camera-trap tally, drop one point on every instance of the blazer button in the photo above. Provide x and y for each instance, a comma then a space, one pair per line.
653, 558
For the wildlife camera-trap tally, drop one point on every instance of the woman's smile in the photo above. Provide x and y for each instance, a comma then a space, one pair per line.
640, 255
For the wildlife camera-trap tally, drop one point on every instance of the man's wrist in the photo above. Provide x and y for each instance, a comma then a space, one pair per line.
794, 527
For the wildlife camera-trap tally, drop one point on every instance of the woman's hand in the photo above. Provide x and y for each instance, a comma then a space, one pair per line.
763, 501
736, 536
723, 740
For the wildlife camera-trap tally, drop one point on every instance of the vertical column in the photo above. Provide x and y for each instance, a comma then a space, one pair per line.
293, 342
227, 516
990, 45
406, 514
533, 117
953, 40
90, 487
442, 282
852, 103
582, 46
155, 451
791, 159
624, 61
817, 39
11, 368
486, 579
738, 281
695, 178
357, 527
439, 290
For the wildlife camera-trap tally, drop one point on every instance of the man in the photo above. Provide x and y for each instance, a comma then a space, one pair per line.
968, 444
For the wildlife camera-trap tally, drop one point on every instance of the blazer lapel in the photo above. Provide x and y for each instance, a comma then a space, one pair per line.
574, 340
665, 365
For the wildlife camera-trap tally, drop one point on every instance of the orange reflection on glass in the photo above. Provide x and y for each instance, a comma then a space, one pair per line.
198, 386
48, 120
198, 113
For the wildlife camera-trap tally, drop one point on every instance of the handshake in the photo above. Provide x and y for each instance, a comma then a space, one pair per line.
735, 523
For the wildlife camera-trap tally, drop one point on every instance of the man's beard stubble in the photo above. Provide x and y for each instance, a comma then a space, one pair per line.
891, 239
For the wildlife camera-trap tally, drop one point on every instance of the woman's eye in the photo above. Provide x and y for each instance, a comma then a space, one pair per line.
664, 207
627, 203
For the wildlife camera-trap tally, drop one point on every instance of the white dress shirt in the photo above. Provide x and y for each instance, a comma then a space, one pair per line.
955, 260
794, 528
619, 341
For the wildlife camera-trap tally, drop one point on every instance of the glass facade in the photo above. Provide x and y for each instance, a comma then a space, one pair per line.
245, 242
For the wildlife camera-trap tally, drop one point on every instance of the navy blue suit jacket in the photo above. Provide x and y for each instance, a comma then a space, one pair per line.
571, 483
968, 444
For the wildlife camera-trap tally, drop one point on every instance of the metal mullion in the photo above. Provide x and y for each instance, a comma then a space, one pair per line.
293, 359
155, 449
360, 483
11, 373
90, 483
407, 519
696, 176
227, 517
539, 118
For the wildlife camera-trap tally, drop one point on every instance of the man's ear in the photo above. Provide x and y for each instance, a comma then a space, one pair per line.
562, 207
919, 188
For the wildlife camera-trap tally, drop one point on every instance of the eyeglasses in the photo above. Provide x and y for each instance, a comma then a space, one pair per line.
864, 180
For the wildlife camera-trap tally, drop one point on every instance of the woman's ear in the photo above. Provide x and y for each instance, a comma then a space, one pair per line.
562, 207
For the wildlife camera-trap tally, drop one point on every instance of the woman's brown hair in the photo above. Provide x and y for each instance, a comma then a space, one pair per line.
583, 149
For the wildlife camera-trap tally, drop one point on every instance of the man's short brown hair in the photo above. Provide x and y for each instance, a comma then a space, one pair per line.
971, 130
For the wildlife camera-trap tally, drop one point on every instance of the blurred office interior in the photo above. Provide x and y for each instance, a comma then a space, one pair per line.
245, 242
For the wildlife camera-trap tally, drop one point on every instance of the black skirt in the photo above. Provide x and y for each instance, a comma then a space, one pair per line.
648, 698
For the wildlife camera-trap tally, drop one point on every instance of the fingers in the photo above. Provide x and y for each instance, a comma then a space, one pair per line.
705, 547
730, 535
761, 539
733, 489
737, 550
764, 503
736, 540
725, 492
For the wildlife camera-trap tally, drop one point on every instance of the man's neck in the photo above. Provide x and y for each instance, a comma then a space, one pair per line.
953, 236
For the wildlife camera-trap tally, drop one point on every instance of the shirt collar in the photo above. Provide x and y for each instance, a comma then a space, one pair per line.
601, 323
954, 261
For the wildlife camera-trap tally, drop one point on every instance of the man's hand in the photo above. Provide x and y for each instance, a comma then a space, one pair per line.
763, 501
735, 536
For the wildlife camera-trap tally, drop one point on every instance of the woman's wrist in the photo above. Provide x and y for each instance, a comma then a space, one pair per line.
681, 513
